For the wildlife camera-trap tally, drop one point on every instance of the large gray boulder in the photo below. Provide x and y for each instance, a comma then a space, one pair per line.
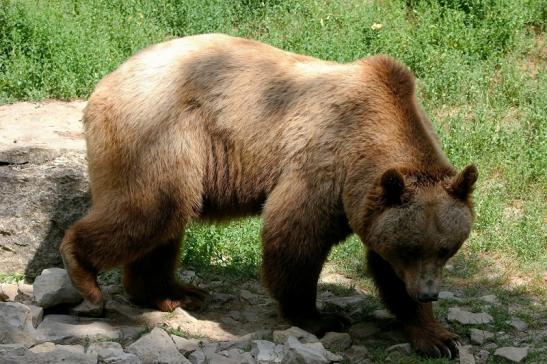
16, 324
53, 287
43, 182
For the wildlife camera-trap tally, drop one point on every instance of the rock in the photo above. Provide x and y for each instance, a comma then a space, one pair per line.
244, 342
46, 354
112, 353
37, 315
466, 356
518, 325
334, 357
197, 357
344, 303
397, 353
266, 352
88, 309
482, 356
222, 297
468, 318
490, 298
185, 346
251, 316
156, 347
25, 291
236, 315
363, 330
513, 354
336, 341
43, 179
215, 358
490, 346
358, 354
382, 315
9, 290
16, 324
250, 297
446, 295
64, 329
298, 353
480, 336
281, 336
53, 287
403, 348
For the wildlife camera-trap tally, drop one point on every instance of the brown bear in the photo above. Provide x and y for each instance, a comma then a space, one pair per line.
212, 127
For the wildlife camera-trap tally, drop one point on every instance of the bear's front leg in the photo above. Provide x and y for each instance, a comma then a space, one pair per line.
300, 227
425, 333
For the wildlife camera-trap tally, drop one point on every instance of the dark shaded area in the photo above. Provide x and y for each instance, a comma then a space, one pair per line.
65, 202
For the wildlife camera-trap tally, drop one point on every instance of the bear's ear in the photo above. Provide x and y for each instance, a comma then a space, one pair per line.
393, 185
462, 185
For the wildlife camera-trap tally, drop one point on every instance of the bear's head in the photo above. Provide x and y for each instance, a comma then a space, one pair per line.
416, 221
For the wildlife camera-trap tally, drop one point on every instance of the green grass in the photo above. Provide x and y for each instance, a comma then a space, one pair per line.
481, 76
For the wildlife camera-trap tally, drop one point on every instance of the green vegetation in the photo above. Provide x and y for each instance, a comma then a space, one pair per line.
481, 70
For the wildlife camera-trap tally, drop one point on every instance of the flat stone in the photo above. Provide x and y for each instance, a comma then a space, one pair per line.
465, 354
49, 354
490, 298
88, 309
482, 356
43, 347
336, 341
449, 296
250, 297
16, 324
281, 336
112, 353
358, 354
244, 342
265, 352
480, 336
404, 348
53, 287
156, 347
232, 356
9, 290
64, 329
298, 353
468, 318
197, 357
185, 346
382, 315
518, 325
344, 303
251, 316
363, 330
215, 358
490, 346
513, 354
222, 297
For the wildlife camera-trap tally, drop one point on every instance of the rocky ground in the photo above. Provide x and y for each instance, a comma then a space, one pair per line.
47, 322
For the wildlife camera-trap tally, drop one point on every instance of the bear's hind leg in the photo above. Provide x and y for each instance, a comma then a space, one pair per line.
150, 280
425, 333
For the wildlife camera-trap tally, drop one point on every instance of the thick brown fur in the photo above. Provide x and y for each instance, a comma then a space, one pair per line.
212, 127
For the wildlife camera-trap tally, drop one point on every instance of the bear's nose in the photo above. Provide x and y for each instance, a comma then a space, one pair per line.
428, 296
